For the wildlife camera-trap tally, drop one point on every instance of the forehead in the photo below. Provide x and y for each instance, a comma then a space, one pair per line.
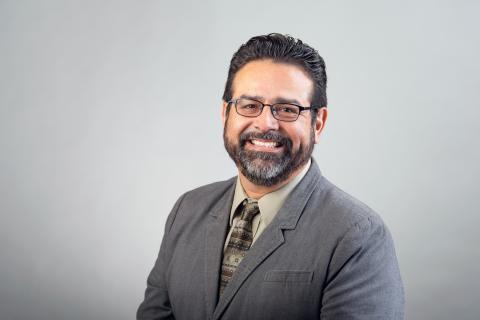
273, 81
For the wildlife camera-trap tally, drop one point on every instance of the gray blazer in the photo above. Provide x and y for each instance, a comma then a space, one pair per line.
324, 256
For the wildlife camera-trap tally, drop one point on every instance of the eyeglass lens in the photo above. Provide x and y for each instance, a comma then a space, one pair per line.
281, 111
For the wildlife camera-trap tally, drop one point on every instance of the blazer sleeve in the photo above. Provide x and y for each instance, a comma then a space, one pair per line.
156, 303
363, 280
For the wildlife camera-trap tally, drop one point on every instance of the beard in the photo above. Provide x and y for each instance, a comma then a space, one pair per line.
267, 168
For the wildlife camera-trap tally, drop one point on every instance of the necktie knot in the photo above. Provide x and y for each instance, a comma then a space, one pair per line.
250, 210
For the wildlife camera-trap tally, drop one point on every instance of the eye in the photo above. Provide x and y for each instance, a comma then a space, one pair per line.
248, 107
286, 109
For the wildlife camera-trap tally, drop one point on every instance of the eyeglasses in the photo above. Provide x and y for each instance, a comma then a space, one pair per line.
251, 108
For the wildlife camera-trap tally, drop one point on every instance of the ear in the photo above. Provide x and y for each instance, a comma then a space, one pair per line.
320, 122
224, 112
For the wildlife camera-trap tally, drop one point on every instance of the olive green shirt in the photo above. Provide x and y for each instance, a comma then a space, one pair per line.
269, 205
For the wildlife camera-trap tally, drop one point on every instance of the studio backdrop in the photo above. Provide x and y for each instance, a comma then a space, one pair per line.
110, 110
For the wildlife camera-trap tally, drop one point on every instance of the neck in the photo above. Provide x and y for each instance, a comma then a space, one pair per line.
256, 191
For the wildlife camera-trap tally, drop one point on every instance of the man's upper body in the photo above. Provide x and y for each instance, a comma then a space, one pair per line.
311, 251
324, 256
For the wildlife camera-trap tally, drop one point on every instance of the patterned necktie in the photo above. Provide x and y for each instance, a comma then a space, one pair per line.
239, 243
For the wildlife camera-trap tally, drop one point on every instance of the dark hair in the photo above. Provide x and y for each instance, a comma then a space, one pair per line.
282, 48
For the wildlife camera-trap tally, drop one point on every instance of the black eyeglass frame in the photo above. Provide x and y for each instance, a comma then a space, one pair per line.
300, 108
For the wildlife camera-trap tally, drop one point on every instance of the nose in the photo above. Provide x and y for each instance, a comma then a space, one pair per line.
265, 121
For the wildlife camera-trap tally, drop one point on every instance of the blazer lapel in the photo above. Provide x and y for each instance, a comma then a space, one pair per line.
216, 232
272, 238
262, 248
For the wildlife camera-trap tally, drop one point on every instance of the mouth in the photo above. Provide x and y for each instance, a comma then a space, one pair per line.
264, 145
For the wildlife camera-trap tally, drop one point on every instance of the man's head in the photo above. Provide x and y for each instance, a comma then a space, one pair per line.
286, 49
268, 146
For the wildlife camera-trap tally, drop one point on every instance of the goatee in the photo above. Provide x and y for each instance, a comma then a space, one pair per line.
267, 168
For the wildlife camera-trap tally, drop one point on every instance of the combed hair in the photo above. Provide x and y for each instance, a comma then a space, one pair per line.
286, 49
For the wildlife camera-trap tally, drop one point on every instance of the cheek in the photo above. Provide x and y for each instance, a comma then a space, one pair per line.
234, 129
298, 136
301, 139
236, 126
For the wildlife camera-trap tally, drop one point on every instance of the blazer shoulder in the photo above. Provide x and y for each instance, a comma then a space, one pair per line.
343, 207
206, 197
212, 190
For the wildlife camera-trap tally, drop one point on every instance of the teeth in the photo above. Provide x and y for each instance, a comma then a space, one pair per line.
265, 143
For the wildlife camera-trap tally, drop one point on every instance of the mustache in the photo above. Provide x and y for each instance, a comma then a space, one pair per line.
271, 135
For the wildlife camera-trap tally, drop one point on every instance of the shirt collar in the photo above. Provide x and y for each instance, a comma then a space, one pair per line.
270, 203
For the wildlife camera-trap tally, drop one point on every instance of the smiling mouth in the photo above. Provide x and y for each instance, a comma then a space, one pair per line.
267, 144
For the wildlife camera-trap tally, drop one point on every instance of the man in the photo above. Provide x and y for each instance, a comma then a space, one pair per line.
279, 241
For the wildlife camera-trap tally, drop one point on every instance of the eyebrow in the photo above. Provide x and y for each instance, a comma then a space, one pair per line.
276, 100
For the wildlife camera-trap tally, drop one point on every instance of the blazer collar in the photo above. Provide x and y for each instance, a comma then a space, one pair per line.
292, 209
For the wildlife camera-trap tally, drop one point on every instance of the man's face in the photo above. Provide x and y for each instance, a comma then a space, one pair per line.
266, 150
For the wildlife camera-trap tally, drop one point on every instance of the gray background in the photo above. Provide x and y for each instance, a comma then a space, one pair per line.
109, 110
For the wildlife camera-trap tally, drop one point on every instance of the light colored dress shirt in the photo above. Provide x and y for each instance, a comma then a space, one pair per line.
269, 205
